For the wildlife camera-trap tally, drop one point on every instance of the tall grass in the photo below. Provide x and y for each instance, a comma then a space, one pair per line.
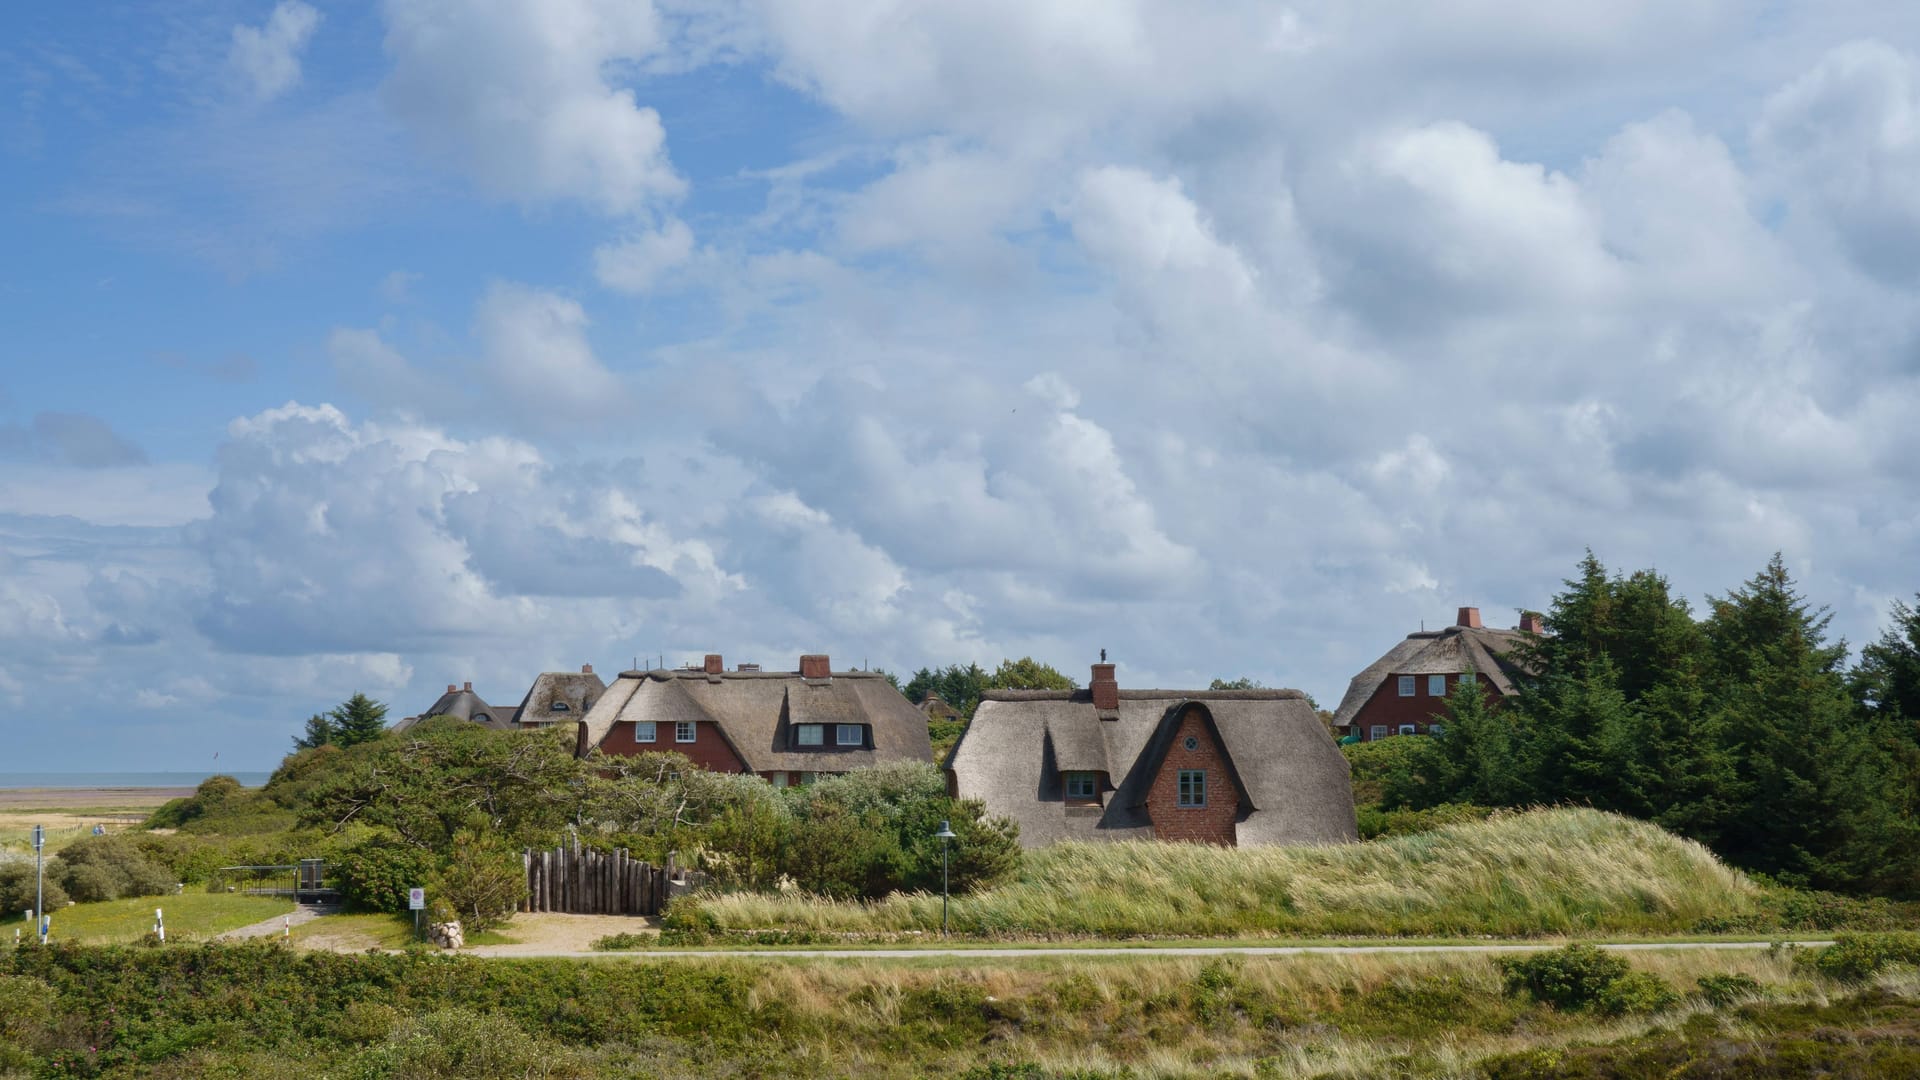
1543, 872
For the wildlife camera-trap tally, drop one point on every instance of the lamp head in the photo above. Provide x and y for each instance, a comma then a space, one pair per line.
946, 832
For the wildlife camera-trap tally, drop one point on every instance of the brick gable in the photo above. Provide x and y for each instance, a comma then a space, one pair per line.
1209, 824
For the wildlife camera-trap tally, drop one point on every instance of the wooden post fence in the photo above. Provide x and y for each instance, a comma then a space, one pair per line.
586, 882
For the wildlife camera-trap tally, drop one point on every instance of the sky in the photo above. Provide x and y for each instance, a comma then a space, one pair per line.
373, 347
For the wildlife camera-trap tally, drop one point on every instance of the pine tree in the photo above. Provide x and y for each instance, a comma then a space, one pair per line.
1887, 679
319, 733
358, 719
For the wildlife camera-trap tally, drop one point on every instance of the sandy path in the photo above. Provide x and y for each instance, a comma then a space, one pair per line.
277, 925
545, 933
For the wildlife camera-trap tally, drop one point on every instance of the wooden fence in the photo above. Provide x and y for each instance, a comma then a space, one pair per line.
587, 882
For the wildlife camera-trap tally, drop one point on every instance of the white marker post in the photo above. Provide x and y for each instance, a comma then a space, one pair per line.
39, 876
160, 925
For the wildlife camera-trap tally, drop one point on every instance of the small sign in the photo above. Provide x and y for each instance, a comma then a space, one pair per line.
416, 899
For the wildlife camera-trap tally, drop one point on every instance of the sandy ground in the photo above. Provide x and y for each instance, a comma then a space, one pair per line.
537, 933
274, 927
131, 800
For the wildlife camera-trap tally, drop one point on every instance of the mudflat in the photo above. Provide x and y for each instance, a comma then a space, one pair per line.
130, 799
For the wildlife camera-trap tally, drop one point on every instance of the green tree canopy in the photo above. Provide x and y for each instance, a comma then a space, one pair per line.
356, 720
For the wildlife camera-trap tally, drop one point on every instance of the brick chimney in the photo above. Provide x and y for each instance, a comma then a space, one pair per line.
713, 665
1532, 623
468, 687
1106, 689
1469, 616
451, 688
816, 666
586, 669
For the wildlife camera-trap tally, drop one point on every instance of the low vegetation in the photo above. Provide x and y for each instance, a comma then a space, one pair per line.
191, 916
1552, 872
268, 1011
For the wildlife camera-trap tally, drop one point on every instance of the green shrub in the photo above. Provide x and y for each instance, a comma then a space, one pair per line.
26, 1007
1376, 823
375, 873
457, 1044
621, 942
1721, 991
87, 883
484, 880
1855, 958
1569, 978
17, 889
1637, 992
108, 868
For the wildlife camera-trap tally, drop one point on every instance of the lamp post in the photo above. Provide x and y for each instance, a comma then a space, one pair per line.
40, 881
945, 834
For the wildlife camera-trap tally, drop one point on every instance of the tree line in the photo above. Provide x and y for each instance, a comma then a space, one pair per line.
1745, 730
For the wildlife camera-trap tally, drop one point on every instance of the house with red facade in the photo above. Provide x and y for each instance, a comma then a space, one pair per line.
788, 727
1405, 691
1229, 767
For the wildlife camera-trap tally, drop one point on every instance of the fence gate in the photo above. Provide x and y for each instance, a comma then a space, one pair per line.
588, 882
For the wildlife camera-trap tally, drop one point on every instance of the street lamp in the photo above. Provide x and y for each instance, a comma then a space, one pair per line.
945, 834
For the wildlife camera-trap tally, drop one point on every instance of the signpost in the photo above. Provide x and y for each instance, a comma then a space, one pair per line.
40, 879
416, 902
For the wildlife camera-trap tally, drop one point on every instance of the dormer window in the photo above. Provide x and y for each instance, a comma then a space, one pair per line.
558, 706
850, 735
809, 734
482, 718
1082, 785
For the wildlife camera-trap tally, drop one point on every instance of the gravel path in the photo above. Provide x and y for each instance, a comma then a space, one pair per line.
277, 925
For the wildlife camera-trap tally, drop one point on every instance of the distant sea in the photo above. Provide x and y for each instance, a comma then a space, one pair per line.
9, 780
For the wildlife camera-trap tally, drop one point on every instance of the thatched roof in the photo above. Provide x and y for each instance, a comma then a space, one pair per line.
575, 692
463, 704
755, 711
1294, 782
1451, 651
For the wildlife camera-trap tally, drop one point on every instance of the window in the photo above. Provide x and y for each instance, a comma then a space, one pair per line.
1080, 785
1193, 787
1468, 678
683, 730
1378, 732
807, 734
646, 731
1406, 686
777, 779
1436, 729
1408, 729
482, 718
1191, 743
850, 735
558, 706
1436, 686
808, 777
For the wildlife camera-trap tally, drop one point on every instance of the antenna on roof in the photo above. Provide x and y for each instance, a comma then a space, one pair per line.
1103, 656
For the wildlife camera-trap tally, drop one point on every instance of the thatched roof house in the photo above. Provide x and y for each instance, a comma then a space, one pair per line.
560, 697
1215, 766
786, 726
1402, 692
462, 703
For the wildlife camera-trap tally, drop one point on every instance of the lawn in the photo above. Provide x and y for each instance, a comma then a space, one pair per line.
189, 915
350, 933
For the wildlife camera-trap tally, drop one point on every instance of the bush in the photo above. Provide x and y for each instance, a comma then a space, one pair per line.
1855, 958
87, 883
17, 889
457, 1044
108, 868
1637, 992
375, 873
26, 1006
1571, 978
620, 942
1721, 991
484, 881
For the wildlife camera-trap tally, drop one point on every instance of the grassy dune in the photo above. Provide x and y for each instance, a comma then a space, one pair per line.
1544, 872
191, 915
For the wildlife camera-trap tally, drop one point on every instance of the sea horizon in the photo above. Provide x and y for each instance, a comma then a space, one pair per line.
10, 781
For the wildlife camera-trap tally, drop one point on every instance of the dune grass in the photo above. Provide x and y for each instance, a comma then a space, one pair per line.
190, 915
1568, 872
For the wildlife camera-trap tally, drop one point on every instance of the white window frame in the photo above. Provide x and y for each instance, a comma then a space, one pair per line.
849, 735
646, 731
685, 731
1409, 729
1406, 686
1378, 732
809, 734
1436, 728
1468, 678
1436, 686
559, 706
778, 778
1082, 785
1191, 779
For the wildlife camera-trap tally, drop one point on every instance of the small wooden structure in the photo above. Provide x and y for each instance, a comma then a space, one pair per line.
306, 882
581, 881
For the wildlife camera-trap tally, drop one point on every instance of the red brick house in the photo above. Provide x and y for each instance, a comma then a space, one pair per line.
1405, 691
1224, 767
785, 726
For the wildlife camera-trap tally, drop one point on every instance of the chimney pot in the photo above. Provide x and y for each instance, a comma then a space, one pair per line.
1469, 616
586, 669
1105, 688
713, 665
816, 666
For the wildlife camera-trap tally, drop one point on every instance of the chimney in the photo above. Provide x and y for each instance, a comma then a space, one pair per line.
714, 666
1469, 616
815, 666
468, 687
1532, 623
451, 688
586, 669
1106, 689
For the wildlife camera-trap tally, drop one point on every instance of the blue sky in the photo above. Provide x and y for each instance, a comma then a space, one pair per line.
376, 347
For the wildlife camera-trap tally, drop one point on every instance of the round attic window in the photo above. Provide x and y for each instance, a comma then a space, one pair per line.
1191, 743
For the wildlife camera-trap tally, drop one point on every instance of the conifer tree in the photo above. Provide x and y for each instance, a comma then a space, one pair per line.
319, 733
358, 719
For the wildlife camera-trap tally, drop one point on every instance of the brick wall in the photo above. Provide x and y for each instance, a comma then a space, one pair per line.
1209, 824
1387, 707
708, 750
